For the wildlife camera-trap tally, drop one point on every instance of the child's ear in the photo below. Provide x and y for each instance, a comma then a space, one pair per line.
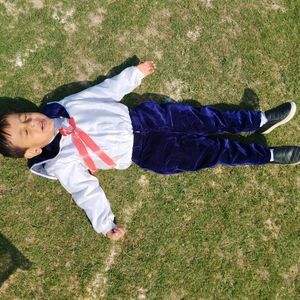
32, 152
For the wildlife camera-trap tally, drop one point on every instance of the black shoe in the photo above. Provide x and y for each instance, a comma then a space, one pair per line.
288, 155
278, 116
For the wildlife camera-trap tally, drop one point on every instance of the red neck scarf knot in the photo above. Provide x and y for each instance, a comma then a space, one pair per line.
81, 140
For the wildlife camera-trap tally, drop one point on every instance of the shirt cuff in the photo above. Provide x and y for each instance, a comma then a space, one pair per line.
108, 225
139, 75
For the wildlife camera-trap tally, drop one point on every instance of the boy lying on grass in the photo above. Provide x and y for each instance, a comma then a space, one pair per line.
91, 130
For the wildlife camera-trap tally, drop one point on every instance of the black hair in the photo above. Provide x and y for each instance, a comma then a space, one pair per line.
6, 147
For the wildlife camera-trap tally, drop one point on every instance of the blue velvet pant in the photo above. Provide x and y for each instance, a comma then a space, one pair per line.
174, 137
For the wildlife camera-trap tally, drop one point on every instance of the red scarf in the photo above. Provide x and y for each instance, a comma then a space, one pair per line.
80, 139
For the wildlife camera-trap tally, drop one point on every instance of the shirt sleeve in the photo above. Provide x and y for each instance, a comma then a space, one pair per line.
114, 88
88, 195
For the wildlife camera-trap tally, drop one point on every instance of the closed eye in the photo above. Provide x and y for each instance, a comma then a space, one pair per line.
23, 117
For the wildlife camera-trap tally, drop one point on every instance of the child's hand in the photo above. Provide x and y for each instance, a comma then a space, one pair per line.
117, 233
147, 67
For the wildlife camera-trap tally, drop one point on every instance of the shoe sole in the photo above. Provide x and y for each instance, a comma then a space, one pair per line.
288, 118
294, 164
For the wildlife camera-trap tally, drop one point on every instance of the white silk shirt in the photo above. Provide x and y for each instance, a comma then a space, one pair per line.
97, 111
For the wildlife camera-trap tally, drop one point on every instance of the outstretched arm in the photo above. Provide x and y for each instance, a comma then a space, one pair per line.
115, 88
89, 196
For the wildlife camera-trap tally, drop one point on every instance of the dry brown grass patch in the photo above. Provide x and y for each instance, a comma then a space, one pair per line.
12, 9
64, 17
291, 275
38, 4
96, 19
263, 274
194, 34
85, 66
240, 259
97, 287
142, 293
177, 295
276, 7
273, 228
207, 3
175, 88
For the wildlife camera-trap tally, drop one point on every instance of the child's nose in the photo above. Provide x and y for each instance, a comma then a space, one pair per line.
32, 123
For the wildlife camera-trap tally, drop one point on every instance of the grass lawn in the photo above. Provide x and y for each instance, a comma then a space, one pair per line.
223, 233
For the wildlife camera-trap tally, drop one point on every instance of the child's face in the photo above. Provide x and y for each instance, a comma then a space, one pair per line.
32, 131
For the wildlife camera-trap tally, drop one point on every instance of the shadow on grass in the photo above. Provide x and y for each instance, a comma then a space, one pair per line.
11, 259
249, 101
76, 87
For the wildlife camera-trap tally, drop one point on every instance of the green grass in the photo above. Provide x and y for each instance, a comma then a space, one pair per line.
224, 233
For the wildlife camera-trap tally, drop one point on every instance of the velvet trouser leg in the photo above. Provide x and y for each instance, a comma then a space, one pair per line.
172, 138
